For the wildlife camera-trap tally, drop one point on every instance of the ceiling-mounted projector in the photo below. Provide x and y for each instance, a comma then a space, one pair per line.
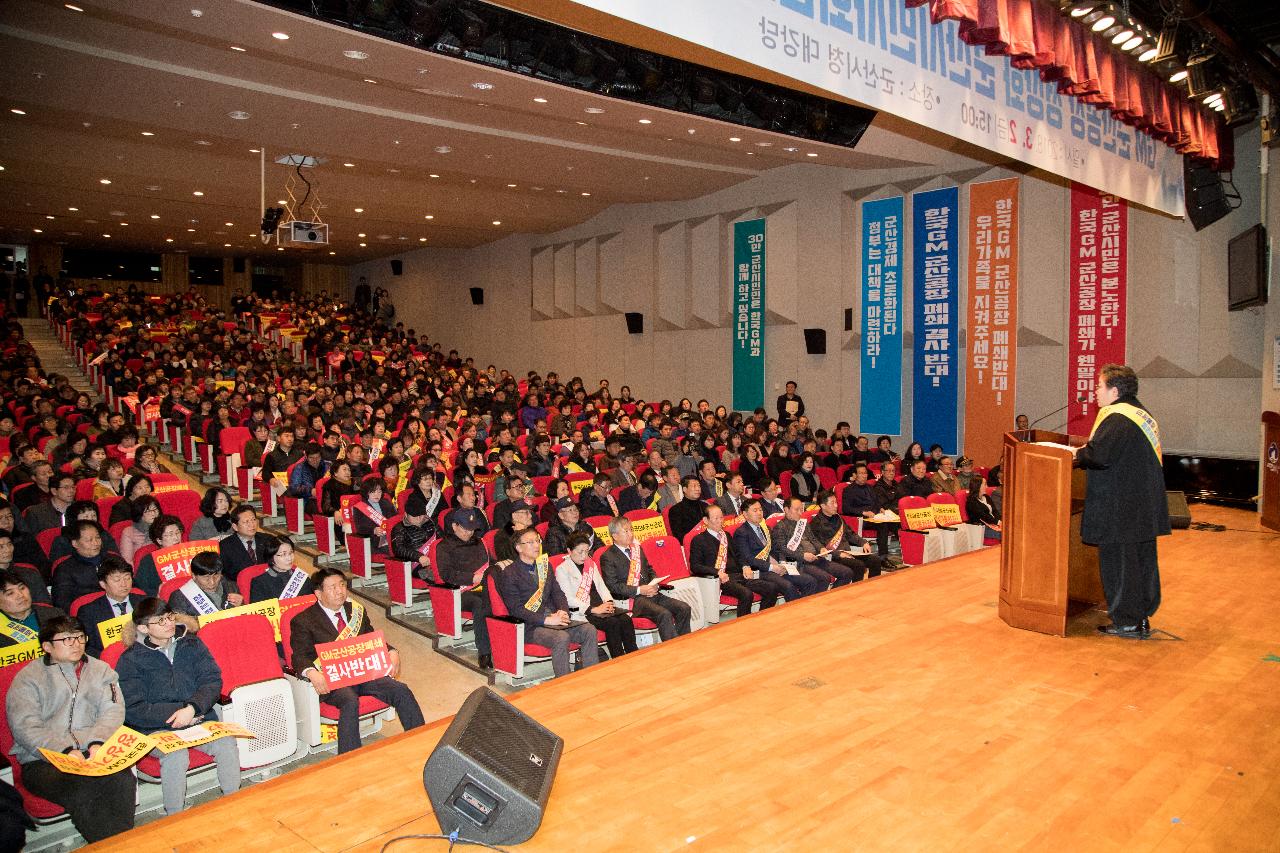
299, 233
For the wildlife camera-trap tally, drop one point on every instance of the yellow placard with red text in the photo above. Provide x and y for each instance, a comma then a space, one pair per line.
649, 528
269, 607
20, 653
169, 487
919, 518
602, 534
111, 630
173, 741
175, 561
946, 514
122, 750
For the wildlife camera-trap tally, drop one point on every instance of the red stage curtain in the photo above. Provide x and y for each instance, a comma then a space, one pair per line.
1033, 34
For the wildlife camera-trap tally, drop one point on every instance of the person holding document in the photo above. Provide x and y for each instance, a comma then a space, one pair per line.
628, 575
1125, 507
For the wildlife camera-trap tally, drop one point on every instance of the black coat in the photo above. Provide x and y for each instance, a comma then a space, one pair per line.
154, 688
1125, 499
94, 613
235, 557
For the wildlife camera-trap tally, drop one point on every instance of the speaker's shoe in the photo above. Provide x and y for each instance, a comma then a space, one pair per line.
1132, 632
485, 661
1145, 628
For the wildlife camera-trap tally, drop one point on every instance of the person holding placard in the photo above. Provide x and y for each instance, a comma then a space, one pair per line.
69, 703
170, 683
282, 579
206, 591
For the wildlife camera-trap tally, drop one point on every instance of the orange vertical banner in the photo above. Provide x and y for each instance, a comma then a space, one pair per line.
992, 318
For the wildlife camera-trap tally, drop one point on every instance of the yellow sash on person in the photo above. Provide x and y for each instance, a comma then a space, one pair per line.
633, 574
768, 543
1144, 421
18, 632
543, 565
835, 540
353, 624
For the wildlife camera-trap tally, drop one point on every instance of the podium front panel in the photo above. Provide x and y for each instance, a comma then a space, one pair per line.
1034, 560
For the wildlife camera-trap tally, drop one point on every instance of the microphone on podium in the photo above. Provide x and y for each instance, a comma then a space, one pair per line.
1083, 398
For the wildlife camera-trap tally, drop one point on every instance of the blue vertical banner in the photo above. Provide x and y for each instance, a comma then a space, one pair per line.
880, 409
935, 268
748, 315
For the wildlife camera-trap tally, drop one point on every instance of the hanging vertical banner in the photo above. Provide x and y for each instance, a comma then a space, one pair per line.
748, 315
993, 318
1099, 279
880, 409
935, 260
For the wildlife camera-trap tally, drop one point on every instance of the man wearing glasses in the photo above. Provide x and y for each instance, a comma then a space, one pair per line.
528, 588
170, 682
70, 703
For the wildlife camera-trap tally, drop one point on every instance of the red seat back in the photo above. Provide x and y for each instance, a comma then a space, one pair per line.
85, 599
246, 576
168, 588
666, 557
45, 538
244, 648
232, 440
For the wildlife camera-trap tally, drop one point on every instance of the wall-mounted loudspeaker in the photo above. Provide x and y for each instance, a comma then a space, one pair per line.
815, 341
490, 775
1206, 194
237, 265
848, 319
635, 322
477, 296
397, 267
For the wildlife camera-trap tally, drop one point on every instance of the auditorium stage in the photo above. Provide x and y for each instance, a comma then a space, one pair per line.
899, 714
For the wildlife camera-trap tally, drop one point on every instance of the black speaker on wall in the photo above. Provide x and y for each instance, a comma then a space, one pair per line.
635, 323
815, 341
1206, 194
237, 265
490, 775
397, 267
477, 296
848, 319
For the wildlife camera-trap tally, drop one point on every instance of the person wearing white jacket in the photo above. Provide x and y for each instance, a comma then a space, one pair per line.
591, 601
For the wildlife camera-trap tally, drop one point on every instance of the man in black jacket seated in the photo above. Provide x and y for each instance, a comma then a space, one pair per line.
916, 483
752, 544
77, 575
638, 496
568, 522
516, 489
115, 577
794, 542
685, 515
461, 561
246, 546
596, 500
628, 574
324, 622
711, 556
847, 548
862, 500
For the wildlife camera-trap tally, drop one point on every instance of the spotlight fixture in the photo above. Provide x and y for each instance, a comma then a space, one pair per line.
271, 219
1200, 73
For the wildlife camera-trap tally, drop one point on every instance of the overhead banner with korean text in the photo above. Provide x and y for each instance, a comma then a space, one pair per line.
935, 271
880, 407
1099, 273
891, 58
748, 315
992, 319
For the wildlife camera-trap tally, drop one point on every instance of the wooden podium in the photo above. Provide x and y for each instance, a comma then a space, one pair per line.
1046, 572
1271, 470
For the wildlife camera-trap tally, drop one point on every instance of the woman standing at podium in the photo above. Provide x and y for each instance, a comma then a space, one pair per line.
1125, 506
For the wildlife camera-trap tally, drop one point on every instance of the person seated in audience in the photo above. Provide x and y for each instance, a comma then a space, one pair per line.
934, 458
624, 476
22, 617
540, 462
39, 490
596, 500
709, 478
686, 515
995, 488
884, 451
215, 516
341, 483
146, 510
980, 509
52, 512
81, 511
531, 594
165, 532
25, 547
504, 540
305, 475
335, 617
805, 484
629, 576
285, 453
77, 575
639, 496
122, 510
369, 515
886, 486
412, 535
964, 472
845, 547
734, 495
92, 462
944, 478
68, 703
770, 497
568, 521
256, 447
711, 555
589, 600
795, 543
916, 482
145, 464
111, 483
171, 682
914, 452
28, 458
753, 547
465, 496
557, 488
206, 591
861, 499
461, 561
517, 488
27, 573
246, 546
283, 578
672, 490
115, 578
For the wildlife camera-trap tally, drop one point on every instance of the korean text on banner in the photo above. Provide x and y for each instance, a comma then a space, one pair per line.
123, 749
891, 58
935, 273
748, 315
881, 396
993, 318
172, 741
1099, 273
175, 561
354, 661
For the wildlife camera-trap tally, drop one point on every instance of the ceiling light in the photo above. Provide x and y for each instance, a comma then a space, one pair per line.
228, 245
203, 142
147, 133
764, 144
281, 201
370, 80
586, 194
362, 245
106, 235
359, 210
155, 216
333, 253
104, 180
583, 123
255, 150
1220, 106
428, 216
197, 192
168, 239
442, 149
349, 165
360, 235
280, 36
230, 224
237, 48
595, 111
238, 115
73, 209
1103, 23
191, 230
646, 121
1178, 76
38, 230
811, 154
482, 86
18, 112
355, 54
1081, 9
512, 186
124, 223
791, 149
1132, 43
497, 222
539, 100
735, 138
1211, 99
433, 176
1148, 54
279, 248
72, 8
1122, 36
48, 216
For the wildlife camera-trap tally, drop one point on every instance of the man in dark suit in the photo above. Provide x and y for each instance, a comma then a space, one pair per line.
670, 614
321, 623
638, 496
752, 543
597, 501
770, 497
116, 579
734, 496
246, 546
711, 556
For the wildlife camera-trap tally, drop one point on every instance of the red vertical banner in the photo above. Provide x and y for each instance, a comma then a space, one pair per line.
992, 314
1099, 275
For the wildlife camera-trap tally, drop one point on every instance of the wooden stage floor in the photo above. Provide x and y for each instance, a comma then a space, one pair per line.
899, 714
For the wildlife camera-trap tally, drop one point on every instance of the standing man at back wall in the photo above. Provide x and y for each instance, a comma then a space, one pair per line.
790, 405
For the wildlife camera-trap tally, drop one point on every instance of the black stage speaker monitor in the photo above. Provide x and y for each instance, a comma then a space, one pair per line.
397, 267
477, 296
815, 341
491, 773
1179, 512
237, 265
635, 323
1206, 195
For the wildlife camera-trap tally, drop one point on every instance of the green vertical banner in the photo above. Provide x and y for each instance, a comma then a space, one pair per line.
748, 315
